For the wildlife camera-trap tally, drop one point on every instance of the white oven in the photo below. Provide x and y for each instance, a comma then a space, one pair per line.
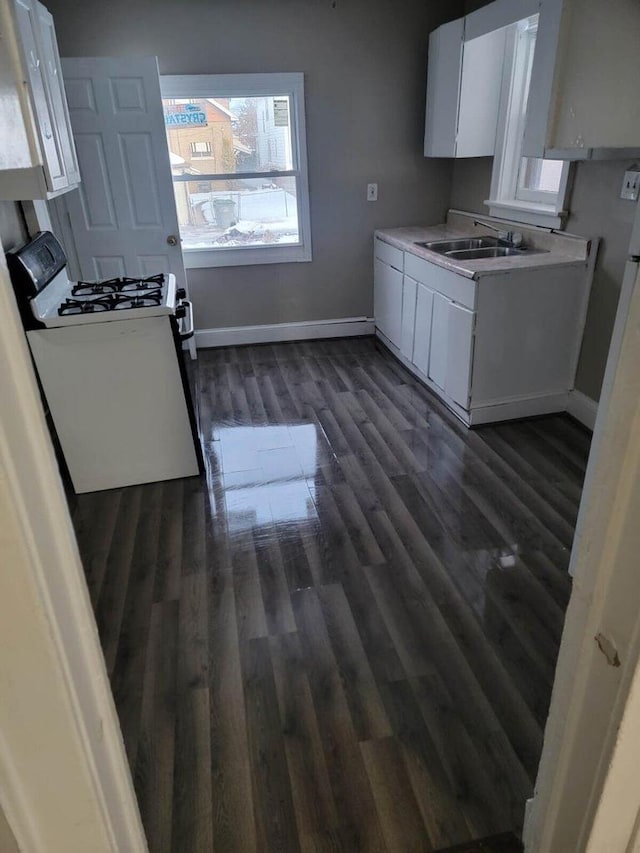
109, 358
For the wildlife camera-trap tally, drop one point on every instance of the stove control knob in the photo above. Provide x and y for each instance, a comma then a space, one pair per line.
181, 312
181, 293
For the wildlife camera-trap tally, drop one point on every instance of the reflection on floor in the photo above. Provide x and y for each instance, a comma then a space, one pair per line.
344, 638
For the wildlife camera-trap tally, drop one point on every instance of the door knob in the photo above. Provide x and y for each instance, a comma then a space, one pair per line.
172, 240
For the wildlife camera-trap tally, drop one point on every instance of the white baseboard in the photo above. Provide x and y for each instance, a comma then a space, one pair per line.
526, 407
582, 408
279, 332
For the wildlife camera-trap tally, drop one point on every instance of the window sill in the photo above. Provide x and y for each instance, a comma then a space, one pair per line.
542, 215
248, 256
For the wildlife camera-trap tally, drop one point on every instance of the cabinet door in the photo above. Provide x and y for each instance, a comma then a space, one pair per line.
439, 344
480, 88
459, 354
53, 78
422, 336
388, 301
27, 21
451, 349
409, 292
443, 88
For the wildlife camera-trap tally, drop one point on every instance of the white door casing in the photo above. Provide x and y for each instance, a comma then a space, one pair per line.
65, 782
122, 219
587, 798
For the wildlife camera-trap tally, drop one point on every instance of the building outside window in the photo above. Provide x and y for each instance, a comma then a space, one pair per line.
238, 156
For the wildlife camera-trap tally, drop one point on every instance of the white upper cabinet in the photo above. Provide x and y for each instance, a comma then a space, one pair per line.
464, 80
463, 92
443, 89
480, 87
37, 153
583, 99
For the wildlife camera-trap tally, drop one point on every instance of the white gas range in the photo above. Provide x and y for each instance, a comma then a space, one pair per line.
109, 359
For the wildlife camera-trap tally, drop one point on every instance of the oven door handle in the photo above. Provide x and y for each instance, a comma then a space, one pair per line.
187, 333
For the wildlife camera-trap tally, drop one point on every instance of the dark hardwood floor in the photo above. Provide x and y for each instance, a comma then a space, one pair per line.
344, 637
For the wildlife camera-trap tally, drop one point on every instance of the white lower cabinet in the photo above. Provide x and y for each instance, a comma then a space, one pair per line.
439, 346
430, 329
407, 332
459, 355
451, 349
494, 347
388, 301
422, 339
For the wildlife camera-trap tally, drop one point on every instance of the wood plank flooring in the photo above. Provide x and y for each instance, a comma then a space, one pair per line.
344, 637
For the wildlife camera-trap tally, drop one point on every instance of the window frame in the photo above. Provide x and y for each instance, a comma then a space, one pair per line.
240, 86
508, 199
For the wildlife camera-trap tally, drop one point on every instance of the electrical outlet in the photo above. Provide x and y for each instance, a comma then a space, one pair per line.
631, 185
372, 192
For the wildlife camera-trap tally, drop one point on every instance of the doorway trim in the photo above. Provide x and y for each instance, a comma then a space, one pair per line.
586, 797
57, 716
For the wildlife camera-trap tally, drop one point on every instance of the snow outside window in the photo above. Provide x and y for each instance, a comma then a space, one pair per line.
524, 189
237, 148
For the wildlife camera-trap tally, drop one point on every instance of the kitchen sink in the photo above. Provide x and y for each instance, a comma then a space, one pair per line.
462, 243
476, 248
491, 252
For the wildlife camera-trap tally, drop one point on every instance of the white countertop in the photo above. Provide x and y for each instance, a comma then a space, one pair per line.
562, 249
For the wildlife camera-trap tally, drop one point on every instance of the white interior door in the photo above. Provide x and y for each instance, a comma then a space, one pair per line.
122, 220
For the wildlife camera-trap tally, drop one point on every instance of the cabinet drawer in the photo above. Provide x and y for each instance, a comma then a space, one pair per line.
389, 254
455, 287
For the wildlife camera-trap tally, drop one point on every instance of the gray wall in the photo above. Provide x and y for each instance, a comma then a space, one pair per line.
596, 210
365, 70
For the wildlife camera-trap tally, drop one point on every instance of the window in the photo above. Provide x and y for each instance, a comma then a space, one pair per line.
237, 148
524, 189
200, 149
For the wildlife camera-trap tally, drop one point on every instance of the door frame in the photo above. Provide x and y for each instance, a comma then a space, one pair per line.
57, 715
586, 798
581, 802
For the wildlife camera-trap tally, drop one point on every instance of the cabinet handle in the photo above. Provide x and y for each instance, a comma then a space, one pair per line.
35, 62
46, 129
52, 69
172, 240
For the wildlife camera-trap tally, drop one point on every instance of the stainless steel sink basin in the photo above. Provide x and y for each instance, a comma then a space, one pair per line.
493, 252
443, 247
476, 248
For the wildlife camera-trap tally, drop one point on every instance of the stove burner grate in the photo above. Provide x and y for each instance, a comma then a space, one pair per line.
142, 300
111, 302
78, 306
118, 285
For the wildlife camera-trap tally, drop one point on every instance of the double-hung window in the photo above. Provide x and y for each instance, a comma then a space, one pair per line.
524, 189
238, 155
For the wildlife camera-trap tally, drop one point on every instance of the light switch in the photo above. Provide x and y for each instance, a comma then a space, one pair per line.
631, 185
372, 192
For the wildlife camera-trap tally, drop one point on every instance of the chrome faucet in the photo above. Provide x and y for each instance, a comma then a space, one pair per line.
513, 238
